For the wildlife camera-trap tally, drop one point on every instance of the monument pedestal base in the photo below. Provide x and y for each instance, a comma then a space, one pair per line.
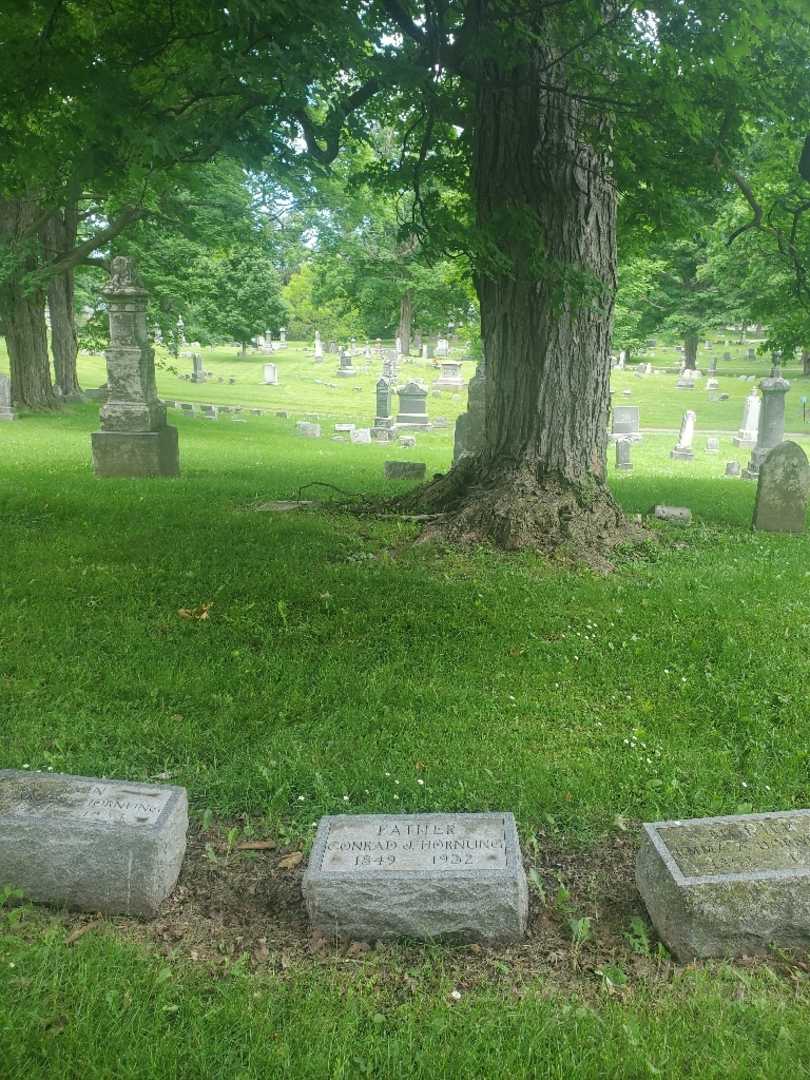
682, 455
136, 453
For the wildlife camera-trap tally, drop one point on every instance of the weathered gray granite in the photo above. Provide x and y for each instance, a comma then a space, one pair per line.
95, 845
782, 490
134, 439
307, 429
728, 886
405, 470
6, 411
451, 876
675, 515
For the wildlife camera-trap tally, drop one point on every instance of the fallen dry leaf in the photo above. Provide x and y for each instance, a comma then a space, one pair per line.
256, 845
289, 862
80, 931
197, 613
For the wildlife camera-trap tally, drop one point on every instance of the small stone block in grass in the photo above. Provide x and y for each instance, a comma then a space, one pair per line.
405, 470
728, 886
94, 845
427, 876
675, 515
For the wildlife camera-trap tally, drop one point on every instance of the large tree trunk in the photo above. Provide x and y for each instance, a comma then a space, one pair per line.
22, 309
805, 361
405, 321
690, 351
60, 237
544, 201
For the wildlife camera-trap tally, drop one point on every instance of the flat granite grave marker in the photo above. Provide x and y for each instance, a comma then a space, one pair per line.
94, 845
728, 886
381, 876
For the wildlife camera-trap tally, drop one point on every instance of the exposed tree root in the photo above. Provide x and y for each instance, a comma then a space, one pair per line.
512, 508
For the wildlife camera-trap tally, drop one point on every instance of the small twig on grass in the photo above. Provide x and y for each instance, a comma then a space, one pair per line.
323, 483
80, 931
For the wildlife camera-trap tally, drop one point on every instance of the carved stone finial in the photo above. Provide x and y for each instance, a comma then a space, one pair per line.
122, 275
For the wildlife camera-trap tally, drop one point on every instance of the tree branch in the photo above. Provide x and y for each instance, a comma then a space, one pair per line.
403, 20
72, 258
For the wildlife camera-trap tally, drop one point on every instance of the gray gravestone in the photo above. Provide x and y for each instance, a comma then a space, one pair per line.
450, 377
197, 374
412, 405
95, 845
6, 411
782, 490
727, 886
382, 429
771, 428
360, 435
712, 445
211, 412
345, 370
626, 422
683, 449
623, 448
733, 468
675, 515
405, 470
451, 876
270, 375
135, 439
470, 433
308, 430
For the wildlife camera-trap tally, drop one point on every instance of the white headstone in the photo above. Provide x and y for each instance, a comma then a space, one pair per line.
683, 449
270, 375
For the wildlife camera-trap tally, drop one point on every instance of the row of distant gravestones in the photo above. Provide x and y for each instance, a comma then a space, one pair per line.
712, 886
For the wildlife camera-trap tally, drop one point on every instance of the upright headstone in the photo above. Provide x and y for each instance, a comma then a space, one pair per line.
94, 845
210, 412
470, 434
398, 346
6, 411
747, 435
623, 451
442, 347
135, 439
622, 359
318, 346
282, 336
683, 448
782, 490
626, 421
426, 876
198, 373
733, 468
345, 370
307, 429
271, 375
382, 429
712, 445
450, 377
424, 351
412, 405
687, 379
728, 886
389, 367
752, 354
771, 429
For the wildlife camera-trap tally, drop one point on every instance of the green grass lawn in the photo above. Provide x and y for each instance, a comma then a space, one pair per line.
341, 665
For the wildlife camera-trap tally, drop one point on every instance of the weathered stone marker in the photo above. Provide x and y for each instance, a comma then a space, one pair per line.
135, 439
470, 433
626, 423
782, 490
727, 886
405, 470
95, 845
383, 876
6, 411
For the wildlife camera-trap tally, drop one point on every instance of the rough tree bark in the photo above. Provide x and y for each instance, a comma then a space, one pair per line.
60, 237
22, 309
545, 200
690, 351
805, 361
405, 320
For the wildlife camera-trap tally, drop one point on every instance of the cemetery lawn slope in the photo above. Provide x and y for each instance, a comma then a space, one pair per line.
281, 666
